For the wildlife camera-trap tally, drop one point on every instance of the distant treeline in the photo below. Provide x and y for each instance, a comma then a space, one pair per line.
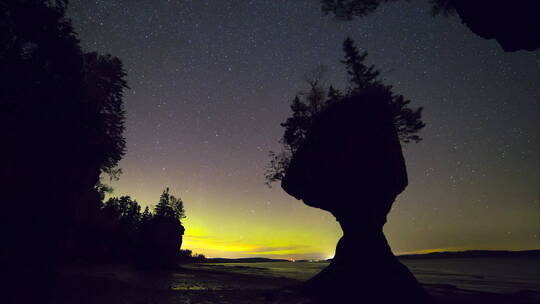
473, 254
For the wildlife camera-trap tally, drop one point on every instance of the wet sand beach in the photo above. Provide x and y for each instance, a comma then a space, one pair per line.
204, 283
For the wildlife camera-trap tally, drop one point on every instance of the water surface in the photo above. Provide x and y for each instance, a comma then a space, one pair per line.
500, 275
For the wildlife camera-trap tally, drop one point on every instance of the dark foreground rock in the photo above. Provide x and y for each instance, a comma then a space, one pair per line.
351, 165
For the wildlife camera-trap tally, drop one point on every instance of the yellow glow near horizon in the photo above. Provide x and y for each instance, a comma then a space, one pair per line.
261, 241
228, 229
201, 118
233, 222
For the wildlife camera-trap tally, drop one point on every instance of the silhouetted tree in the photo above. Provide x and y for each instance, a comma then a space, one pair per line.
104, 83
361, 76
347, 9
167, 227
304, 107
123, 210
61, 123
145, 239
333, 95
159, 233
170, 207
187, 256
146, 216
122, 218
186, 253
509, 22
362, 79
199, 257
148, 238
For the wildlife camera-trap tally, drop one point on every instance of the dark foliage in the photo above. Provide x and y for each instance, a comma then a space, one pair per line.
307, 107
187, 256
170, 207
104, 82
120, 218
147, 238
165, 230
509, 22
442, 7
61, 124
347, 9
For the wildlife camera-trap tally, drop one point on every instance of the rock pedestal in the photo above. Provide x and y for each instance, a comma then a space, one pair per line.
351, 165
364, 267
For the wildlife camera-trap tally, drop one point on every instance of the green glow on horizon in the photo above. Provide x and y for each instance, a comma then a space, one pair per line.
202, 117
261, 241
226, 220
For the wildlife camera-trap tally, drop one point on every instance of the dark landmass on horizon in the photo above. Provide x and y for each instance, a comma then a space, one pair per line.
473, 254
432, 255
243, 260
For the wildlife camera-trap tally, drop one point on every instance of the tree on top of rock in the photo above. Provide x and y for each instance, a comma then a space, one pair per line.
363, 79
169, 206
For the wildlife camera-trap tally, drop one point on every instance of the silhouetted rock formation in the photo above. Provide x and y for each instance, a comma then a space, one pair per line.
351, 164
514, 24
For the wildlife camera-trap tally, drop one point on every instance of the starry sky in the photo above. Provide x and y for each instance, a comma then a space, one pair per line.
210, 81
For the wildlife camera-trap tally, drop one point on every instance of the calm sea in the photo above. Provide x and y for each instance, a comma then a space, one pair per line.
502, 275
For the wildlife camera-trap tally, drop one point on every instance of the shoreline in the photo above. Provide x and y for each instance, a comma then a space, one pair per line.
189, 284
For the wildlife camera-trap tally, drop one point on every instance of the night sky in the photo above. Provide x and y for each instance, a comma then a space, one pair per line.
211, 81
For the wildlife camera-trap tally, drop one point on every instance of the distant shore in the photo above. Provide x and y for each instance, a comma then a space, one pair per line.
472, 254
431, 255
